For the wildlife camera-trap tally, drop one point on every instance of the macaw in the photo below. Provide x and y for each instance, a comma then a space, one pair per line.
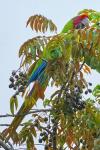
39, 76
77, 22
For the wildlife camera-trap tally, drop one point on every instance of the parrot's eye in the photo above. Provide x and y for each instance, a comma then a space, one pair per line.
80, 26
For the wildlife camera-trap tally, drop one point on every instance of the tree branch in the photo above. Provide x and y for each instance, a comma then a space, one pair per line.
4, 145
31, 112
4, 139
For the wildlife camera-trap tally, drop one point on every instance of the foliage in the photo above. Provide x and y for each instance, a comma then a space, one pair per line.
40, 24
13, 103
96, 93
72, 121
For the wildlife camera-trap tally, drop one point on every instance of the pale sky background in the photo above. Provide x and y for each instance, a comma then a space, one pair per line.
13, 17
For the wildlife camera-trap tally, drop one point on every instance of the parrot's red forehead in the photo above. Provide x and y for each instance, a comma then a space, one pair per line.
83, 16
78, 19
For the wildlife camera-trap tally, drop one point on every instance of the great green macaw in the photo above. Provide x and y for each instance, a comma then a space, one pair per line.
39, 76
78, 22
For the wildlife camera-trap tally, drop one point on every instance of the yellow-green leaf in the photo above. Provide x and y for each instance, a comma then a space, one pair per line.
13, 104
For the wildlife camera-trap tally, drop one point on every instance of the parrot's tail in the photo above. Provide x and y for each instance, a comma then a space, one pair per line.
23, 111
36, 92
29, 102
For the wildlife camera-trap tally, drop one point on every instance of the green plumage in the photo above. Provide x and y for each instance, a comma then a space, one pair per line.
52, 53
68, 26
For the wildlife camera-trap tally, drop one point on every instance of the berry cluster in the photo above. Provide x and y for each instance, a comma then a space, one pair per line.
88, 90
44, 136
47, 135
73, 100
18, 82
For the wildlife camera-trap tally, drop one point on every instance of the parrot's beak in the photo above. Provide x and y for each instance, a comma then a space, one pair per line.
85, 21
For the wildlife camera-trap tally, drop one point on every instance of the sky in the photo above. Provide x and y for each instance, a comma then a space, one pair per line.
13, 32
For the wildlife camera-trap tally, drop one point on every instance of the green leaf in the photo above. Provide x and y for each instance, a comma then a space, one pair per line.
33, 131
28, 123
30, 142
16, 103
97, 118
13, 104
46, 102
90, 124
68, 52
96, 91
33, 51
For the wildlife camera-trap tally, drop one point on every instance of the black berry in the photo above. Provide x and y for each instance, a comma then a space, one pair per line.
14, 96
40, 140
13, 73
11, 79
89, 90
90, 84
16, 76
41, 134
11, 85
86, 92
20, 74
81, 140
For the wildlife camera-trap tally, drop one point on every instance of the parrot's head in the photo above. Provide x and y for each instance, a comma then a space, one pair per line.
81, 21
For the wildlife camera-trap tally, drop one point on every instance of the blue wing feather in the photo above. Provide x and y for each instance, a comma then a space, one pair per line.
38, 72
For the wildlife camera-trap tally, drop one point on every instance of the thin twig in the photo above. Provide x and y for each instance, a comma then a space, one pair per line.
3, 125
6, 124
31, 112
